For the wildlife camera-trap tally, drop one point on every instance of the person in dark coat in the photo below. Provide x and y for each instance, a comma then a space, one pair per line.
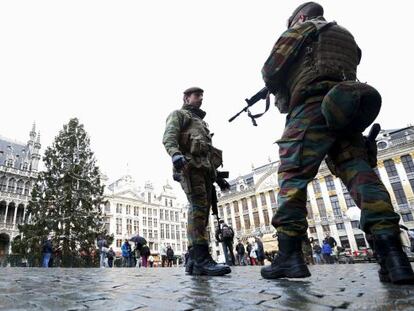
47, 251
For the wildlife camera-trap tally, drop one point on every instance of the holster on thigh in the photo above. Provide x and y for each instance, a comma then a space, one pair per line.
346, 149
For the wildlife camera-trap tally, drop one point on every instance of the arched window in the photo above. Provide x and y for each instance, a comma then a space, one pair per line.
27, 188
3, 183
12, 183
20, 186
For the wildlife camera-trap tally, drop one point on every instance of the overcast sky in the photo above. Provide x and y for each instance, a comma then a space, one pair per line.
121, 67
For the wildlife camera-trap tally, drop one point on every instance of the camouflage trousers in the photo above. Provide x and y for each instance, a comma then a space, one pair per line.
304, 144
197, 186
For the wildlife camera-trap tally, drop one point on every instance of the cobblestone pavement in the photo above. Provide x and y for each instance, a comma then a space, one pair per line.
331, 287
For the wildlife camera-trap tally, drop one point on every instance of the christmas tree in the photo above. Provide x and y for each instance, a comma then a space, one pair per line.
66, 200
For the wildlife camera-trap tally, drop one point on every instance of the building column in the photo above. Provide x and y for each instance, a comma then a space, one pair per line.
7, 211
260, 210
351, 238
14, 216
250, 208
24, 215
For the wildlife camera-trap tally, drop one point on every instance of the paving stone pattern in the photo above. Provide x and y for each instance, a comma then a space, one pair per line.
331, 287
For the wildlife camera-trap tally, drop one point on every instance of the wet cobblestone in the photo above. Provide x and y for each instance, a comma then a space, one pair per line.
331, 287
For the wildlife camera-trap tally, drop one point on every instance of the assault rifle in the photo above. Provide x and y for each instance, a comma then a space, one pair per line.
262, 94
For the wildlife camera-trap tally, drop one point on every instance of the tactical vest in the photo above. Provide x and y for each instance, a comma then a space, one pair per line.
196, 144
329, 54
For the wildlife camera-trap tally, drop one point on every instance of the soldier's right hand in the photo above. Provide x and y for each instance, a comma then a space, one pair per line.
179, 161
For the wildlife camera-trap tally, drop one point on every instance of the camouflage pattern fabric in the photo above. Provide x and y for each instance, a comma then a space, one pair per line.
197, 186
304, 144
186, 133
351, 105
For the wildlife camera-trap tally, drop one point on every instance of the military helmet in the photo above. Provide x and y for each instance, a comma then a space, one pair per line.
351, 106
310, 9
194, 89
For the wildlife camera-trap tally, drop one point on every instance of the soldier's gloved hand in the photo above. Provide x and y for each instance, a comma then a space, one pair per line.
223, 184
179, 161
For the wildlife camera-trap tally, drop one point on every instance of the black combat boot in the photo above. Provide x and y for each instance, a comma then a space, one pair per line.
190, 261
289, 262
205, 265
394, 264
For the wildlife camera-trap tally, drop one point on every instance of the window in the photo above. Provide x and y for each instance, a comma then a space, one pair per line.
254, 201
272, 197
150, 233
321, 207
348, 200
118, 243
108, 207
171, 215
154, 212
312, 229
129, 226
136, 211
256, 219
150, 212
3, 183
236, 207
407, 217
161, 214
238, 225
340, 226
266, 217
136, 226
156, 234
408, 164
228, 211
128, 209
144, 233
20, 186
155, 222
309, 210
344, 241
263, 199
244, 205
355, 224
377, 172
172, 232
149, 222
144, 221
118, 208
330, 183
360, 241
119, 226
316, 186
336, 208
326, 228
166, 202
246, 221
144, 210
162, 231
167, 215
167, 231
149, 197
177, 232
390, 168
11, 185
26, 188
399, 193
176, 217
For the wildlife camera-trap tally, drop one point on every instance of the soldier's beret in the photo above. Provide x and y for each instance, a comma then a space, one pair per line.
193, 90
351, 106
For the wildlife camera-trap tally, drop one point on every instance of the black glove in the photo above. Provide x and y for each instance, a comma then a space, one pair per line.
223, 184
179, 161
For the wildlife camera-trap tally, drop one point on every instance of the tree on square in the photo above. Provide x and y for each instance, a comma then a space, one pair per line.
66, 201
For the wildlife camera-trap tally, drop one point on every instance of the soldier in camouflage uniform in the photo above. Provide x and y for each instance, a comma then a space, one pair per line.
187, 140
312, 65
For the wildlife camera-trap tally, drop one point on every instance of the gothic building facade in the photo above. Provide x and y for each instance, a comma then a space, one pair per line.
158, 217
250, 204
18, 170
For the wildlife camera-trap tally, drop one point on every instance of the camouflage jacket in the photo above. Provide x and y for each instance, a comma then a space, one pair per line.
187, 133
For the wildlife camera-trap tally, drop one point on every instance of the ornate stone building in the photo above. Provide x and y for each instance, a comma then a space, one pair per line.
249, 205
18, 170
157, 217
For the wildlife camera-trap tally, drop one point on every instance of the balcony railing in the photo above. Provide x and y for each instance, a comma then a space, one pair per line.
7, 225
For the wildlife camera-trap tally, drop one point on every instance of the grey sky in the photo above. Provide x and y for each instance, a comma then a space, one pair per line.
121, 66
